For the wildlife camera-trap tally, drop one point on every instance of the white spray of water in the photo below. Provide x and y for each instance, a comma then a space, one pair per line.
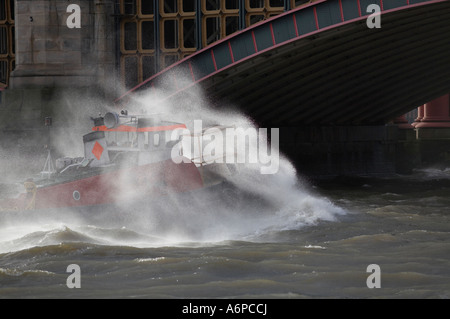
261, 203
271, 203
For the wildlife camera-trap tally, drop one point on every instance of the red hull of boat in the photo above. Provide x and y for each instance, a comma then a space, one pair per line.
128, 184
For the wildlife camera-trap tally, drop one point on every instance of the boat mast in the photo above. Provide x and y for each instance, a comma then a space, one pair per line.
49, 168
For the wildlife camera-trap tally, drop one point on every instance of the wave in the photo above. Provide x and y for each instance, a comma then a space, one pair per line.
12, 272
86, 234
42, 238
281, 204
167, 226
278, 202
432, 173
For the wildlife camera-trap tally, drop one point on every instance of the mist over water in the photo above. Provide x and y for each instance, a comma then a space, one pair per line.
271, 203
266, 236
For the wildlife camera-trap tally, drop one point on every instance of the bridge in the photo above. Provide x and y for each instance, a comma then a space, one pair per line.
321, 64
316, 71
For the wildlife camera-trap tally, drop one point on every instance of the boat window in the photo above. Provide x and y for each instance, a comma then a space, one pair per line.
145, 139
132, 139
156, 139
85, 162
110, 138
122, 139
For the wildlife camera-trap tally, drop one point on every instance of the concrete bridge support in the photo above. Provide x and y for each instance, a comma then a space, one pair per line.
62, 71
433, 132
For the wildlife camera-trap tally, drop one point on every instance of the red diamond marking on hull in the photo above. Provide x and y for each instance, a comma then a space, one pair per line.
97, 150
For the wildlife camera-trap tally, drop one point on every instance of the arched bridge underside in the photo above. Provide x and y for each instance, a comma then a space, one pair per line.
321, 64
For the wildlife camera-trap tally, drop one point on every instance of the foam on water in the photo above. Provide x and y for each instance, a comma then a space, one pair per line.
286, 206
432, 173
279, 202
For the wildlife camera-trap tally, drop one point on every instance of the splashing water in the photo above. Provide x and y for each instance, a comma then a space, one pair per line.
258, 204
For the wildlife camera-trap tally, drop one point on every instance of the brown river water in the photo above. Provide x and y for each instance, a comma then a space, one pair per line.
314, 240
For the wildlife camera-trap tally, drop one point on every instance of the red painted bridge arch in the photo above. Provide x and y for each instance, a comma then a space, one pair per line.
321, 64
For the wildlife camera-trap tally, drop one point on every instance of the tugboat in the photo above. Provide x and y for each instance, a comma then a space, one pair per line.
126, 159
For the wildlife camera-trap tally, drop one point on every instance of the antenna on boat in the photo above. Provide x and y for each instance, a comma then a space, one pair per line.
49, 168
